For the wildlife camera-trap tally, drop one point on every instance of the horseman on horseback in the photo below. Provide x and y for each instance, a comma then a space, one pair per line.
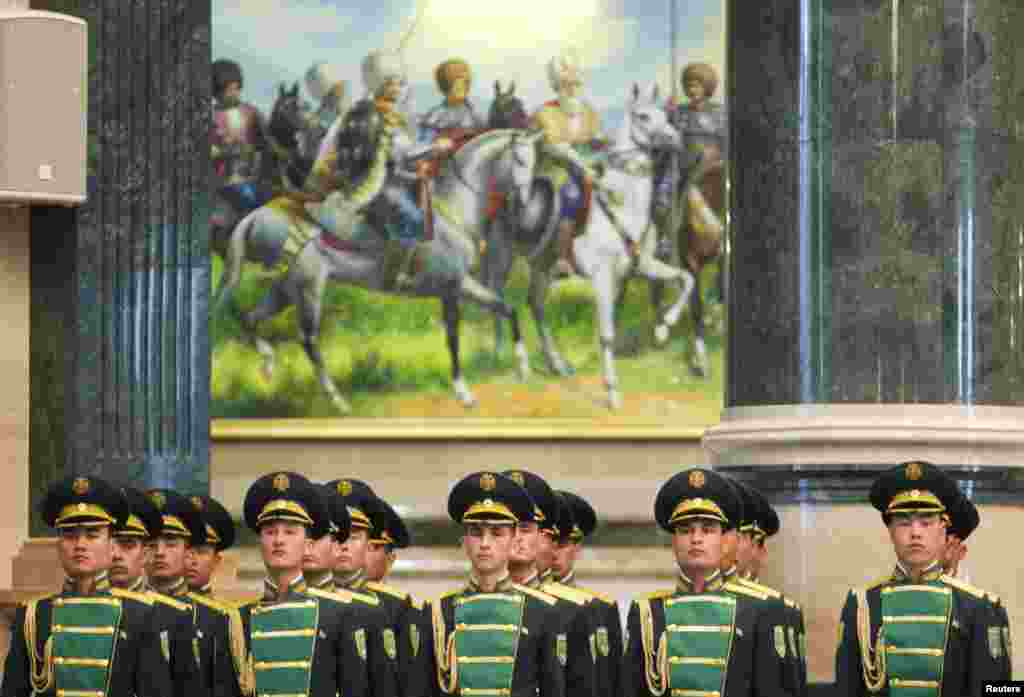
572, 141
454, 118
371, 171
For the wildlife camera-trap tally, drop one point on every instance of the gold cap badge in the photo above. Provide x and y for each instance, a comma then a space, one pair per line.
344, 487
158, 499
281, 482
518, 478
914, 471
80, 486
697, 479
488, 482
197, 503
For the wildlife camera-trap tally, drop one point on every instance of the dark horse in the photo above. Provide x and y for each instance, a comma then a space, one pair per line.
284, 168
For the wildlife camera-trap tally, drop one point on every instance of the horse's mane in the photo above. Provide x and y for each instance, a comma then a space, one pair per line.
481, 146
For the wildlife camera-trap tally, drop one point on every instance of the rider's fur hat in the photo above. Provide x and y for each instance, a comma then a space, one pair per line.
379, 66
568, 64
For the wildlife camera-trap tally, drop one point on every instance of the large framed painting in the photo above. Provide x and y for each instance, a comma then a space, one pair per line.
440, 218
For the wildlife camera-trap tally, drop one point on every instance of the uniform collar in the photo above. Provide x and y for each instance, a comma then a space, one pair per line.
138, 585
503, 585
175, 589
353, 581
324, 580
569, 579
206, 590
730, 574
101, 584
932, 573
272, 593
712, 584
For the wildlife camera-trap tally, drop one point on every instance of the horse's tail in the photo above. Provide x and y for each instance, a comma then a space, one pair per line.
234, 259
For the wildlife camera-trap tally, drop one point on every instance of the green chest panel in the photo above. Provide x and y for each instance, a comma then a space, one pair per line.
487, 630
84, 634
699, 631
915, 625
283, 638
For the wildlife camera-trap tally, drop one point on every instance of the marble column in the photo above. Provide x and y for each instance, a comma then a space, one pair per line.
876, 306
120, 380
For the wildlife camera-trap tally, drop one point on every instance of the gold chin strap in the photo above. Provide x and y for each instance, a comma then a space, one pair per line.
872, 660
655, 662
40, 667
444, 648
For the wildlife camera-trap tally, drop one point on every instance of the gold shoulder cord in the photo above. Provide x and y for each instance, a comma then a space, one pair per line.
872, 661
239, 655
444, 647
655, 665
40, 668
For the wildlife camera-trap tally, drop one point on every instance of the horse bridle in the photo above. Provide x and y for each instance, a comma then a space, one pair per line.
510, 145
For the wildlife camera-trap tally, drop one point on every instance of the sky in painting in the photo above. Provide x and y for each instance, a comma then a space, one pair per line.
620, 41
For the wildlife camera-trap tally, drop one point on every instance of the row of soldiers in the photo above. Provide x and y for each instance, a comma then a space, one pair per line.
138, 616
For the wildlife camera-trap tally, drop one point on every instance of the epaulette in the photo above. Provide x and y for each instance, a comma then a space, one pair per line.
565, 593
965, 587
168, 600
790, 603
882, 580
209, 602
416, 602
745, 590
387, 590
994, 599
448, 594
658, 595
144, 598
364, 598
760, 588
550, 600
338, 596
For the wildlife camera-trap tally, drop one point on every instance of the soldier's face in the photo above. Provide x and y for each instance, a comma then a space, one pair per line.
917, 539
759, 558
84, 551
546, 546
379, 559
488, 547
168, 558
200, 564
526, 545
698, 546
320, 554
564, 558
128, 561
283, 545
352, 552
745, 552
730, 543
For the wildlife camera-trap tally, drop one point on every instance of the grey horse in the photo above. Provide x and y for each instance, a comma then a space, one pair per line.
497, 161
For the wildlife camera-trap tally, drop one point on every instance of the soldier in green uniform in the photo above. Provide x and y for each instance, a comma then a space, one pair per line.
203, 559
300, 640
759, 521
964, 520
400, 622
706, 636
917, 631
389, 534
217, 630
131, 551
89, 639
530, 565
578, 521
493, 637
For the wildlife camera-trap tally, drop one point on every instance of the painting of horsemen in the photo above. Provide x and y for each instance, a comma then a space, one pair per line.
489, 218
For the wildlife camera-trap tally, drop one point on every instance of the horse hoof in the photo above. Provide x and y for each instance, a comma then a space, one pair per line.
661, 335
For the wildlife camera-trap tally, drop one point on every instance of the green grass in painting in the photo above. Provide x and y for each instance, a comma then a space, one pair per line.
382, 348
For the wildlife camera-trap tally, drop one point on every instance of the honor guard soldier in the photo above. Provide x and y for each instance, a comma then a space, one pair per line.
217, 640
963, 521
300, 640
494, 637
388, 535
917, 631
399, 620
706, 636
578, 522
204, 558
530, 565
132, 548
758, 522
89, 639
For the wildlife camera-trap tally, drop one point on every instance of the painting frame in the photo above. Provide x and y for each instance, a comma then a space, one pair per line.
470, 427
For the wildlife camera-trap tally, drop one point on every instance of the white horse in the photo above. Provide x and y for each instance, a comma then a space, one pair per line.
502, 159
618, 243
